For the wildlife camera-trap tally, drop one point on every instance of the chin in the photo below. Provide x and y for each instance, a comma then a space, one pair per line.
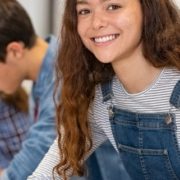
11, 91
103, 59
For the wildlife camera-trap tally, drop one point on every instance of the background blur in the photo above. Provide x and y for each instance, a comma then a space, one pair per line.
46, 17
45, 14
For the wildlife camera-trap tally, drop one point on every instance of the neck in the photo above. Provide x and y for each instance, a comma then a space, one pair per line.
135, 73
34, 58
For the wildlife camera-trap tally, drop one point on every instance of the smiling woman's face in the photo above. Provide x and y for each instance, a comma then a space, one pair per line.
110, 29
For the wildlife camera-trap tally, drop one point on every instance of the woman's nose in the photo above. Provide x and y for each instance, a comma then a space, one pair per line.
99, 20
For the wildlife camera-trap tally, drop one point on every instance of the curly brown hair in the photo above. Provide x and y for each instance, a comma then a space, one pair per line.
79, 72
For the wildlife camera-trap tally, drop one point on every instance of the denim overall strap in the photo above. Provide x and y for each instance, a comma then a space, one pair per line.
147, 142
175, 96
106, 89
106, 160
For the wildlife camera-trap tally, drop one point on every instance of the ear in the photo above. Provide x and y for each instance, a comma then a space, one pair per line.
15, 50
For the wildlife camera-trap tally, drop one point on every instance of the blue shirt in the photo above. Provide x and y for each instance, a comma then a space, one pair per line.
14, 125
42, 134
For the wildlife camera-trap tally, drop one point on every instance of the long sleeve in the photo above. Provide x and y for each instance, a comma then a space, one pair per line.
52, 158
45, 168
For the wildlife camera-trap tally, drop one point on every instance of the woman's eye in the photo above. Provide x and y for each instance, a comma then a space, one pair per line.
113, 7
83, 12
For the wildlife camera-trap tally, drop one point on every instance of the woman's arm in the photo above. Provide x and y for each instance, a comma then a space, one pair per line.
45, 169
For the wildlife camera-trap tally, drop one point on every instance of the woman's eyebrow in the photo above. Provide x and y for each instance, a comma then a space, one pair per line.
81, 2
86, 2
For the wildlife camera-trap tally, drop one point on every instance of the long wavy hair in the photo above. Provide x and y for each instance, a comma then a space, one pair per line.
79, 72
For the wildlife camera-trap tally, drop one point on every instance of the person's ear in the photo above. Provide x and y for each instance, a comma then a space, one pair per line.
15, 50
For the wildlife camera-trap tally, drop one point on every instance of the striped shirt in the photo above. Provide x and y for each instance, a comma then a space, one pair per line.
155, 99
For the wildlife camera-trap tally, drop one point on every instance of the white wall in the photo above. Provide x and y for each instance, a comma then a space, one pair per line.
40, 13
177, 2
58, 9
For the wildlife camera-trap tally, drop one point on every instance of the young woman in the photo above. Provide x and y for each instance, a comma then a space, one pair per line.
120, 63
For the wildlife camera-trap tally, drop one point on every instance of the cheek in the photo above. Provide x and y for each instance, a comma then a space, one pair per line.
79, 30
131, 26
83, 27
83, 34
130, 20
125, 23
80, 27
4, 73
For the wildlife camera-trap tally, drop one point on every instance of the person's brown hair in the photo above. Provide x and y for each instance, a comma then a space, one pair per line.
79, 71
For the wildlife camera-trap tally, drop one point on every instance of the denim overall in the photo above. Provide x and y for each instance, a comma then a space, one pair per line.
146, 142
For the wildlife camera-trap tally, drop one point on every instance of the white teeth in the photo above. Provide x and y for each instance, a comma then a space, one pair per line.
104, 39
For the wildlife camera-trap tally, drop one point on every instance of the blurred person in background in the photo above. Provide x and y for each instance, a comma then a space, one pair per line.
14, 124
26, 56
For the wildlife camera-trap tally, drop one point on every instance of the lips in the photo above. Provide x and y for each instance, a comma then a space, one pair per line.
104, 39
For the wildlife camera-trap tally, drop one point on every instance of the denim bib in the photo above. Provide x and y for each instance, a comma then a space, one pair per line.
147, 142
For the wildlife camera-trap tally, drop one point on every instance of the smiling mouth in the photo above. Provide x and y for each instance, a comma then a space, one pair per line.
104, 39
